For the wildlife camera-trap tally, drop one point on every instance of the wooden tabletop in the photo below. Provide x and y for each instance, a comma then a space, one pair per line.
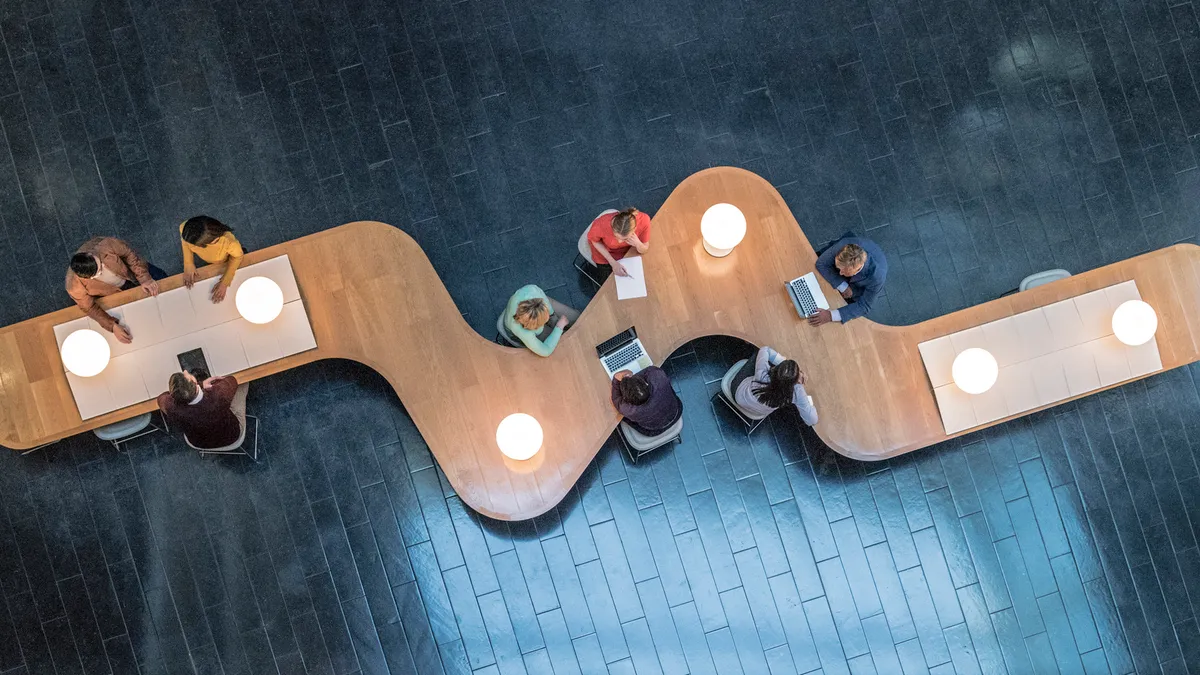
372, 296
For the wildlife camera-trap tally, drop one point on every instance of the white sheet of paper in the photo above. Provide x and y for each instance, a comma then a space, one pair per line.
634, 285
1016, 383
259, 342
1004, 341
209, 313
91, 394
1035, 333
989, 406
1144, 359
1095, 311
278, 270
1079, 365
1066, 328
62, 330
1112, 364
955, 406
160, 362
1049, 378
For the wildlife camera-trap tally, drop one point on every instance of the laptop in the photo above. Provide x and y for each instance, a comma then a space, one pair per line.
806, 295
623, 351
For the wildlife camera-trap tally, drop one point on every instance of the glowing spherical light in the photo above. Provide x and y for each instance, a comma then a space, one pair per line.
259, 300
975, 370
519, 436
723, 226
1134, 322
85, 353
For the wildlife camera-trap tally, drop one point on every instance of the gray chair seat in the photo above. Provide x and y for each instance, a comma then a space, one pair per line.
638, 444
727, 390
503, 337
1042, 278
119, 430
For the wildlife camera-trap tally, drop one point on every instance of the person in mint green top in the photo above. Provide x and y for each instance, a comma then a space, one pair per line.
536, 319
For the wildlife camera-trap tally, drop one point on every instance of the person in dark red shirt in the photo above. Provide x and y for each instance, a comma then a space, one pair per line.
212, 413
614, 233
646, 400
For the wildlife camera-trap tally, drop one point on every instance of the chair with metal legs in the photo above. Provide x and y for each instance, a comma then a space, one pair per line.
726, 396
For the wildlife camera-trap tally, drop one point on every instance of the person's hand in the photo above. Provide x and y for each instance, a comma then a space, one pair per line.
189, 278
151, 288
218, 292
848, 293
622, 374
803, 379
122, 334
820, 317
619, 269
562, 322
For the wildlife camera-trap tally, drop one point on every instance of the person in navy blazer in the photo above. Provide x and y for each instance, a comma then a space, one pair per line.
857, 268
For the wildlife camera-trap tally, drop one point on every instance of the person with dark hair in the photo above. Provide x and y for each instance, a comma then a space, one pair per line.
215, 243
770, 382
614, 233
646, 400
107, 265
211, 413
856, 268
536, 319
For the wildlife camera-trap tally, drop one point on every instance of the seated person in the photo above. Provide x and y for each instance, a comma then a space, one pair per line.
211, 413
768, 382
613, 233
536, 319
215, 243
856, 267
646, 399
107, 265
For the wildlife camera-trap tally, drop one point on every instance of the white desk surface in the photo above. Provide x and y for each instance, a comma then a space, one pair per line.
1045, 355
181, 320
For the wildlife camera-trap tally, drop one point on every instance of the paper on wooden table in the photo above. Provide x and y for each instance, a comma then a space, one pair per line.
938, 355
1049, 378
1035, 333
1016, 384
123, 375
144, 322
1066, 328
1079, 365
1095, 312
1004, 341
1112, 363
634, 285
294, 331
223, 349
91, 394
62, 330
175, 311
955, 405
259, 342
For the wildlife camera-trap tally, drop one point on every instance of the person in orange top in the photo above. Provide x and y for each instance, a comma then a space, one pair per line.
215, 243
613, 233
103, 266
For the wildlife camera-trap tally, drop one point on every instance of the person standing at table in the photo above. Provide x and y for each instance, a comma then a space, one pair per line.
614, 233
212, 413
107, 265
214, 243
646, 400
536, 319
857, 268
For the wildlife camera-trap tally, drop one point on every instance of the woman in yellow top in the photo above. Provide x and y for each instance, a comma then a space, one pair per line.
214, 242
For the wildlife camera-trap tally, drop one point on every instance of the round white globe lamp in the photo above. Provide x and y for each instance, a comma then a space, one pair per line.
1134, 322
723, 227
975, 370
85, 353
259, 300
519, 436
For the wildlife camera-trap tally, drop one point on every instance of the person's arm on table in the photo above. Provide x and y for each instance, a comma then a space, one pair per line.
189, 265
861, 306
808, 411
137, 265
616, 265
827, 268
94, 311
231, 267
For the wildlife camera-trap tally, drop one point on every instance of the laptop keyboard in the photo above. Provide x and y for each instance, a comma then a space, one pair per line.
626, 355
804, 296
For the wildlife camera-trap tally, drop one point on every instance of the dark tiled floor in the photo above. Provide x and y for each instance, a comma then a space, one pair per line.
976, 141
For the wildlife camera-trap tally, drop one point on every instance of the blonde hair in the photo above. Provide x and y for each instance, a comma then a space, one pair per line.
532, 314
852, 255
624, 221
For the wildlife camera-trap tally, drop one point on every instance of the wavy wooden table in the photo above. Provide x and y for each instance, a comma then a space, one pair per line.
373, 297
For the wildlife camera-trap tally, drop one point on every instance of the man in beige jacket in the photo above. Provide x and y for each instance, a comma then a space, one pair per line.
103, 266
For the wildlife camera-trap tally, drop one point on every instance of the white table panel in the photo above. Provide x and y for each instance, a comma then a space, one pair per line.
277, 269
62, 330
144, 323
259, 342
1066, 328
115, 346
1079, 365
124, 378
1126, 290
1112, 363
1004, 341
1034, 329
938, 355
209, 313
223, 349
1020, 392
972, 338
176, 313
989, 406
91, 395
294, 330
1143, 359
1049, 378
1095, 311
957, 412
160, 362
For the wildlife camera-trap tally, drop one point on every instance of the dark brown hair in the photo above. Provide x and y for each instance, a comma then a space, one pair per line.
778, 390
203, 230
182, 389
634, 389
